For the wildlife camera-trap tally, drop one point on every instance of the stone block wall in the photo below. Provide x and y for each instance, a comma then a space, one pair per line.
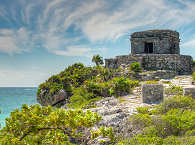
181, 64
164, 41
155, 75
152, 93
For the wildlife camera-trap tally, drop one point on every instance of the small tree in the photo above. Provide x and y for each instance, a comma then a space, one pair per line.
136, 67
97, 59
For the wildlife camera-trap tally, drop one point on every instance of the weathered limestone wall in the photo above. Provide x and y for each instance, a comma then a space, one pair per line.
189, 91
152, 93
155, 75
181, 64
164, 41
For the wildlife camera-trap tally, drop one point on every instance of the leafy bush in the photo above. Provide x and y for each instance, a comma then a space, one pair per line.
145, 140
142, 140
193, 76
171, 122
136, 67
173, 140
141, 120
93, 90
115, 87
174, 102
174, 90
143, 110
45, 125
150, 82
81, 98
121, 84
180, 120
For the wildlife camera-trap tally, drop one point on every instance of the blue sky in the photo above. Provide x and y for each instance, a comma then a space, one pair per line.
39, 38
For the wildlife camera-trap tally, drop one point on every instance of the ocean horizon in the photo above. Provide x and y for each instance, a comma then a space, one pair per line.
12, 98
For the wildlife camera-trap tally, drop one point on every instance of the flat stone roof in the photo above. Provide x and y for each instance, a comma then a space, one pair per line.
155, 33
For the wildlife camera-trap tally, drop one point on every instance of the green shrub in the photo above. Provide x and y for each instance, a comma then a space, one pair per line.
143, 110
46, 125
173, 140
140, 120
136, 67
80, 98
174, 90
115, 87
190, 132
180, 120
179, 101
121, 84
142, 140
146, 140
171, 122
150, 82
98, 88
193, 76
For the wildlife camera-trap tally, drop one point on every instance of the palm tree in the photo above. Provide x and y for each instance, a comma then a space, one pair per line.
97, 59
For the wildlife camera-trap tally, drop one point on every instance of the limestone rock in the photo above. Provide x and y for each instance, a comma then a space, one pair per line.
152, 93
189, 91
59, 97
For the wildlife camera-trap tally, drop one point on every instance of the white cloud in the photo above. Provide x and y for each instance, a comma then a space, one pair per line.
94, 21
75, 51
15, 41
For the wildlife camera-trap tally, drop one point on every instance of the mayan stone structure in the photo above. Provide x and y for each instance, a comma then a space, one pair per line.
155, 42
155, 50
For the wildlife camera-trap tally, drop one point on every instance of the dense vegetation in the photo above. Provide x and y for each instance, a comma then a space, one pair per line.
46, 125
171, 122
86, 84
95, 89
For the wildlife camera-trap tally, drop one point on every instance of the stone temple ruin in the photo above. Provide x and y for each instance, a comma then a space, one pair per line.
155, 50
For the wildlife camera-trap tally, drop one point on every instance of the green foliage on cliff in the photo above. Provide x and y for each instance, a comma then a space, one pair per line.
95, 89
46, 125
171, 122
85, 84
72, 77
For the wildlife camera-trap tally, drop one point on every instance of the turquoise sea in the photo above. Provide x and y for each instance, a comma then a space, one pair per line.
13, 97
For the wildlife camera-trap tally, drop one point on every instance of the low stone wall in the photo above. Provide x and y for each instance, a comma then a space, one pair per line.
181, 64
189, 91
155, 75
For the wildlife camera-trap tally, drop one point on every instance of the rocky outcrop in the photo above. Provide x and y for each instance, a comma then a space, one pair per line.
115, 113
59, 98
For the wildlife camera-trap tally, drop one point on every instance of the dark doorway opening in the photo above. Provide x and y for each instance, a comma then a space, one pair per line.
148, 47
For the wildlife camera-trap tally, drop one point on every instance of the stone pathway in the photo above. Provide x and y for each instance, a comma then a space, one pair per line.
114, 110
183, 81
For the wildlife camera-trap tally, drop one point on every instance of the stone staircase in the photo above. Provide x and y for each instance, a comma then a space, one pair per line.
183, 81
